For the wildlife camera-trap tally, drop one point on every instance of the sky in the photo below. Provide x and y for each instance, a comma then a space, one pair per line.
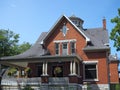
30, 18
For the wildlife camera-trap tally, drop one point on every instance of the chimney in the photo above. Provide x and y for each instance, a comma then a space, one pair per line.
104, 23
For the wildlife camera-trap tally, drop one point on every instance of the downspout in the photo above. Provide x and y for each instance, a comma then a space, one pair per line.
108, 69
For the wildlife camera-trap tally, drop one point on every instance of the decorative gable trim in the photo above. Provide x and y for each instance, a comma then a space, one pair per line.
60, 19
62, 41
87, 39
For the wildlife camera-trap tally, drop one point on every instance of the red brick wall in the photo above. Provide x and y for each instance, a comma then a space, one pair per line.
71, 34
114, 77
102, 65
33, 67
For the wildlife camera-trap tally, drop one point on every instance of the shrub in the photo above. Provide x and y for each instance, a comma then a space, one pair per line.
27, 87
117, 87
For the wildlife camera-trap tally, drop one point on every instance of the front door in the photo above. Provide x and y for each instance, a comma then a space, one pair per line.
64, 49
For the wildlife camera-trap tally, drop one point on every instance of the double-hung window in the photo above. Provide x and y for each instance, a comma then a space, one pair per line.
64, 48
90, 71
57, 48
72, 46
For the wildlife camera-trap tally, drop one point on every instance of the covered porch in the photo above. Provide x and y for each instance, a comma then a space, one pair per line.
48, 73
47, 67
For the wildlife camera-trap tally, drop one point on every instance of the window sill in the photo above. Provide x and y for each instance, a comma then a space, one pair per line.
90, 80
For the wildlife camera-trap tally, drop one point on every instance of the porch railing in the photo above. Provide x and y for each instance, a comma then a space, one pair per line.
58, 80
21, 81
33, 81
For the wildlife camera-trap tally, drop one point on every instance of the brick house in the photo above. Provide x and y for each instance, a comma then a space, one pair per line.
69, 57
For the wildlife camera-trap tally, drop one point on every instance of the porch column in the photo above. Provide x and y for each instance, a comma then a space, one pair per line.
19, 73
74, 68
46, 68
44, 75
71, 67
22, 72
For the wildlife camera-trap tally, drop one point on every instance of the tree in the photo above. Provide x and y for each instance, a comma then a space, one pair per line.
23, 47
8, 40
115, 33
9, 46
9, 43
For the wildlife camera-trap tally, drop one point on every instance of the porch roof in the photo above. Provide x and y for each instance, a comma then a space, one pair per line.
24, 61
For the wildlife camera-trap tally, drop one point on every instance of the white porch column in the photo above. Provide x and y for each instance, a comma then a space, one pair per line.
43, 69
46, 68
71, 67
74, 68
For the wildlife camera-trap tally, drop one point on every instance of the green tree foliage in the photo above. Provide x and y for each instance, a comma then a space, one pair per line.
115, 33
117, 87
23, 47
8, 40
12, 71
9, 43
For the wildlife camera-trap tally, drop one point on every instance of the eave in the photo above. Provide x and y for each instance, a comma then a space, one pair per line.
98, 49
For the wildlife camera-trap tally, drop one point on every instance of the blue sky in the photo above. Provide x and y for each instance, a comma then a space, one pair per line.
31, 17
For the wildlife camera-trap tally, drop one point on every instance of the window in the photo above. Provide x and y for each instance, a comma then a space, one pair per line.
57, 48
90, 71
72, 47
39, 70
64, 49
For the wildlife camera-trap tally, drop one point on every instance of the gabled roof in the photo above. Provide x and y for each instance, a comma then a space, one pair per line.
57, 23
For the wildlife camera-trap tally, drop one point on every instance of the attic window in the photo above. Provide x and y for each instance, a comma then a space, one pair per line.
64, 30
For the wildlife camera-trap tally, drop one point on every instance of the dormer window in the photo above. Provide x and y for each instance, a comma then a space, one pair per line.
64, 30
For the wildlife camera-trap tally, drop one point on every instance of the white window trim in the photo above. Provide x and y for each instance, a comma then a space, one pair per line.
90, 62
64, 41
71, 48
67, 47
66, 29
58, 49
